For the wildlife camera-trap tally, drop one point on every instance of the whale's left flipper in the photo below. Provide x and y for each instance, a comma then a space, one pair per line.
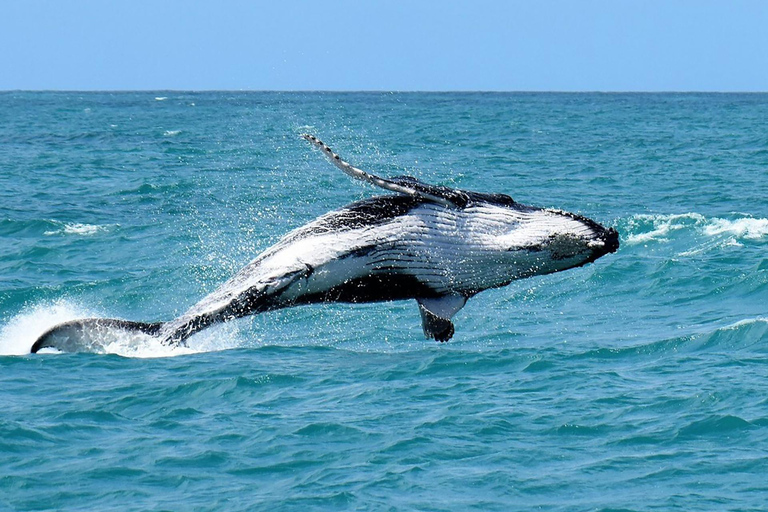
90, 334
436, 315
406, 185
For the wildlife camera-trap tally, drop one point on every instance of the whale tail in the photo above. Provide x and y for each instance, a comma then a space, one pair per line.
95, 334
91, 334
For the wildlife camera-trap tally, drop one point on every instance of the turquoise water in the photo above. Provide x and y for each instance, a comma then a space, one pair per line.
638, 382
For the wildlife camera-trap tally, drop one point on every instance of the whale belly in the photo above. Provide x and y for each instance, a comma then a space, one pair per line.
425, 253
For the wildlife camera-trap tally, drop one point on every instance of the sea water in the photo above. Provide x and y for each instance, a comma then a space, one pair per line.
638, 382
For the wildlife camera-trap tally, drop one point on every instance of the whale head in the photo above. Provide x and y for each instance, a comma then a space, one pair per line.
542, 241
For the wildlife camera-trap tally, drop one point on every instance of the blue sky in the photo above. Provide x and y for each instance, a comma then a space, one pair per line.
535, 45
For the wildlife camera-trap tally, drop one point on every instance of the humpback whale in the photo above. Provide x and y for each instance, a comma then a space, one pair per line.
435, 244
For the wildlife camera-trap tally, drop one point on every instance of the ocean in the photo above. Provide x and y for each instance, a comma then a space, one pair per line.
638, 382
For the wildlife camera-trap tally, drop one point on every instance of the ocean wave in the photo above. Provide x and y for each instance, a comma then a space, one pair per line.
49, 227
646, 228
749, 333
748, 228
744, 333
715, 426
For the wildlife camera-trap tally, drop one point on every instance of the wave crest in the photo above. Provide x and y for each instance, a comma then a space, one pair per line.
645, 228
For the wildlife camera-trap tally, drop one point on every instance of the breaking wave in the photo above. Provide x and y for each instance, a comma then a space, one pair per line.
645, 228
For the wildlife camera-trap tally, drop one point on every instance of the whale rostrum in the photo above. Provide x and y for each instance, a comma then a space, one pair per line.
435, 244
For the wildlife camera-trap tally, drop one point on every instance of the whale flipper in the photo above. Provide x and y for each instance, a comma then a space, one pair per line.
407, 185
90, 334
436, 315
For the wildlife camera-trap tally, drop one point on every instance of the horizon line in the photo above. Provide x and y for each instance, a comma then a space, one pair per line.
398, 91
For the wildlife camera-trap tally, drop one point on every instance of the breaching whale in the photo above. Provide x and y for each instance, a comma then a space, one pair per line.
437, 245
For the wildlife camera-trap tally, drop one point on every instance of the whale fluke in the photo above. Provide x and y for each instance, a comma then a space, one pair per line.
90, 334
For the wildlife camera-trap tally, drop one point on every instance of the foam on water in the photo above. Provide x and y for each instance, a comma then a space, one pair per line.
748, 228
644, 228
67, 228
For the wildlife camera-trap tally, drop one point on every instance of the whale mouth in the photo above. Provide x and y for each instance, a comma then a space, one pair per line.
610, 240
606, 243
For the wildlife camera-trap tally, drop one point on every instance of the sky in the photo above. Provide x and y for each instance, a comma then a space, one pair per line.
414, 45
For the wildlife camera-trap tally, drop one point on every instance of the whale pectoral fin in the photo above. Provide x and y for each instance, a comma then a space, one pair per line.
435, 327
402, 185
436, 315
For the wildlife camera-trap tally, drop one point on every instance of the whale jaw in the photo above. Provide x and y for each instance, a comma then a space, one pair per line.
611, 239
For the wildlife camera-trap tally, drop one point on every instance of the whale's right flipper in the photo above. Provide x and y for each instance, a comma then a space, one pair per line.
407, 185
90, 334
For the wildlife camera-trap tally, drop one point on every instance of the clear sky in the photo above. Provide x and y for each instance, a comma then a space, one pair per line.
533, 45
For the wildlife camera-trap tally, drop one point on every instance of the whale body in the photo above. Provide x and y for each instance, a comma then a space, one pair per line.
437, 245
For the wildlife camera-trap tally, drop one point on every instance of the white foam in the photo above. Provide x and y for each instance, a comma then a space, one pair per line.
171, 133
748, 228
161, 98
659, 228
76, 229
